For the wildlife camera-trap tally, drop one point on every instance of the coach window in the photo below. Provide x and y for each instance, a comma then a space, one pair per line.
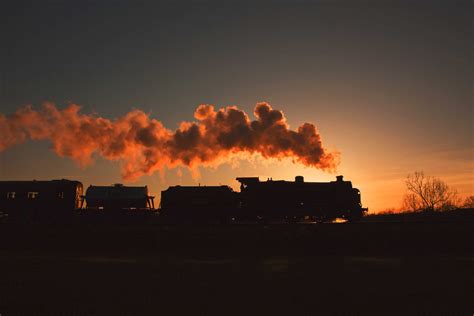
33, 195
11, 195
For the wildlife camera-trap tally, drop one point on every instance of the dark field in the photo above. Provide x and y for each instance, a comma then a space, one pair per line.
367, 268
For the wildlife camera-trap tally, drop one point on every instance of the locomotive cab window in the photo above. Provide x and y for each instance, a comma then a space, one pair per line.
11, 195
61, 195
33, 195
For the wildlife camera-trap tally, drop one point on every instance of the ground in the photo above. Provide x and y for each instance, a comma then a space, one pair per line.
366, 268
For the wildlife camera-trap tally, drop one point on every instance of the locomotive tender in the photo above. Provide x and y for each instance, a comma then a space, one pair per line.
198, 203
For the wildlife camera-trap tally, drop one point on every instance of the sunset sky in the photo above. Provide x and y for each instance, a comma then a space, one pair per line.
388, 84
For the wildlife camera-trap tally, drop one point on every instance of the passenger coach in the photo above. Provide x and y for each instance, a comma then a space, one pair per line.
40, 200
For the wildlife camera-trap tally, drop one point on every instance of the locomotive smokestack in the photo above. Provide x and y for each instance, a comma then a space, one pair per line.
340, 178
299, 179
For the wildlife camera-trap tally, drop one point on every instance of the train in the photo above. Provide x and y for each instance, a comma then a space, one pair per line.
257, 201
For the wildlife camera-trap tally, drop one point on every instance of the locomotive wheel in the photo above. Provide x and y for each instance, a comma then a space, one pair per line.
352, 218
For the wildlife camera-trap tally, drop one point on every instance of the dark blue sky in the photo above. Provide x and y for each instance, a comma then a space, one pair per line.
386, 78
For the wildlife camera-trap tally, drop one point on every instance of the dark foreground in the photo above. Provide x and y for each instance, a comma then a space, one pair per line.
365, 268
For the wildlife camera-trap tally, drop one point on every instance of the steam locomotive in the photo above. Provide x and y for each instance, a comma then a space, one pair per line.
264, 201
257, 200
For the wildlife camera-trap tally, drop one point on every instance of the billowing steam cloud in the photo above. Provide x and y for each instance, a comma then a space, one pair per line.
144, 145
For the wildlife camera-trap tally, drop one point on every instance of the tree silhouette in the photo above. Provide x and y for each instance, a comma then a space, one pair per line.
469, 202
428, 193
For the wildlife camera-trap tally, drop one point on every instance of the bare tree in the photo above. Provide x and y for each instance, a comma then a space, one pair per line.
469, 202
428, 193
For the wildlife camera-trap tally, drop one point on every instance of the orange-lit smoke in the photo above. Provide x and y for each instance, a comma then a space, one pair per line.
144, 145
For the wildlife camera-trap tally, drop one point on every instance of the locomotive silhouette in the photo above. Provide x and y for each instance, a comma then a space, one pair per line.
262, 201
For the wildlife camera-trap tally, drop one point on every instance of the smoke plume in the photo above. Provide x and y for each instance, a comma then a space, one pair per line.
144, 145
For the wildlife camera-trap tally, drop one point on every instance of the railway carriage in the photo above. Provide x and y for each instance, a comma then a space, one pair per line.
40, 200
